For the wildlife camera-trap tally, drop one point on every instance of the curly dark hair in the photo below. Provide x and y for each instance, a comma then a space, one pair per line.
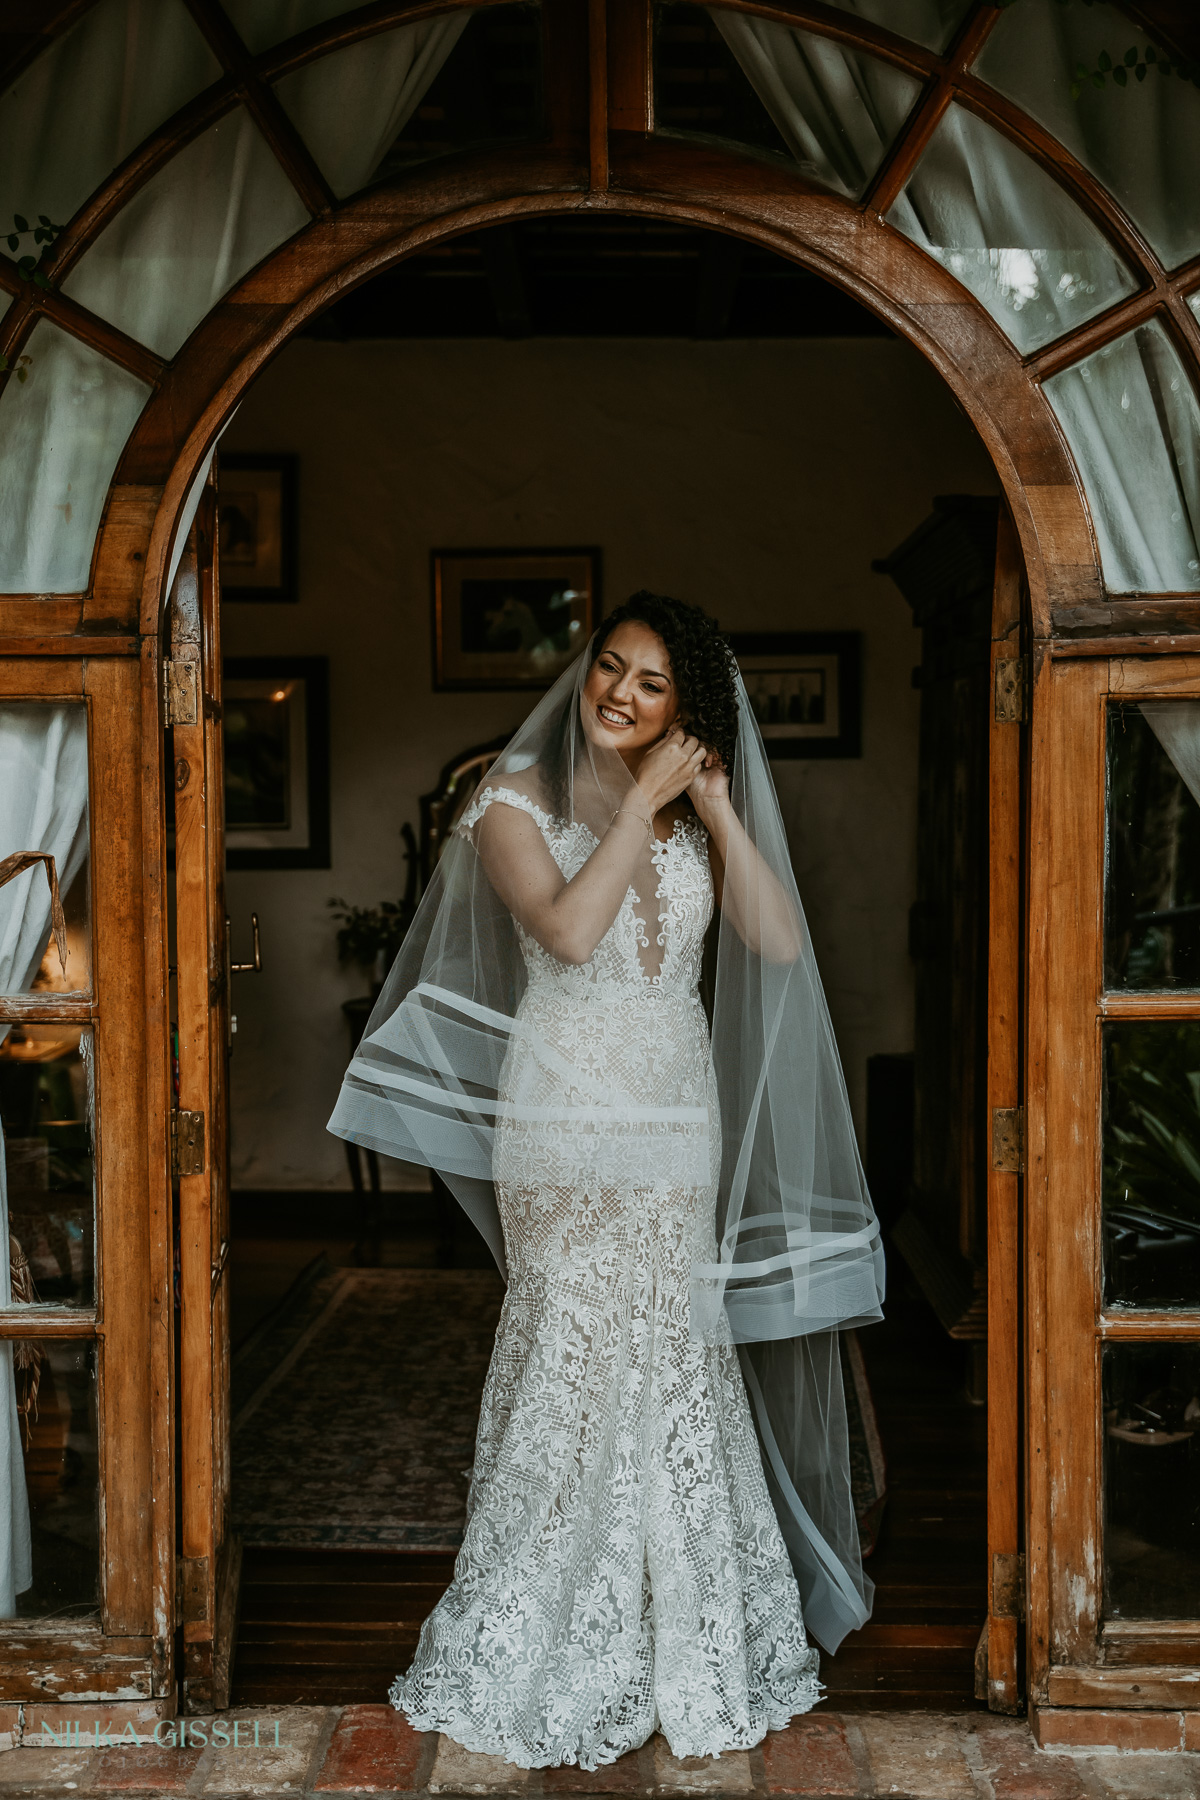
702, 665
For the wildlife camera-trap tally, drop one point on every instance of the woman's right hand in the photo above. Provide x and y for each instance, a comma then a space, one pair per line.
669, 767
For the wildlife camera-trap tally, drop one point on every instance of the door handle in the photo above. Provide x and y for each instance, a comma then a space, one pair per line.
250, 968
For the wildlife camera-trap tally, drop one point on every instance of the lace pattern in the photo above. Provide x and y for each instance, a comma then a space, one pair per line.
622, 1569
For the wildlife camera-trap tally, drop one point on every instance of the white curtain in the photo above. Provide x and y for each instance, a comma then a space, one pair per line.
1009, 232
836, 109
352, 105
1176, 725
1131, 417
1142, 140
43, 806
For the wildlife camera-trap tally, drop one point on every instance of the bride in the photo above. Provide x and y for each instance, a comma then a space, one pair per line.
642, 1548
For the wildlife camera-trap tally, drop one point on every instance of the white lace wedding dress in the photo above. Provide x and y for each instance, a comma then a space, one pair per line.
622, 1570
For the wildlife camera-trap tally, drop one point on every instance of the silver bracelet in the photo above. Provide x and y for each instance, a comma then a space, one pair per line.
648, 823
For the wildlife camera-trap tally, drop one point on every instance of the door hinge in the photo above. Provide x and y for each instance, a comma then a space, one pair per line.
191, 1589
187, 1143
1008, 1140
179, 693
1008, 1585
1012, 688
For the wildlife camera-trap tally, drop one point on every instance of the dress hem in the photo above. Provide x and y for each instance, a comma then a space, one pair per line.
513, 1752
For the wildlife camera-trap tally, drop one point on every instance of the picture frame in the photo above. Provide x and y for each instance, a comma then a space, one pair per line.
510, 619
806, 690
275, 714
256, 525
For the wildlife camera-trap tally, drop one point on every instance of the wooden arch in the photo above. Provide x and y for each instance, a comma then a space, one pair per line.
657, 178
600, 153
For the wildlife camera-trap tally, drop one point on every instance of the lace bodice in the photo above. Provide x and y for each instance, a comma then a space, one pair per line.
627, 956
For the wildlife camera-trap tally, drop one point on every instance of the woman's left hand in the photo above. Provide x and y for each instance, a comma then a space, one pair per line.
711, 786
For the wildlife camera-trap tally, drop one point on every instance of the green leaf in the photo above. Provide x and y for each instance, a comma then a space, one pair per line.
1131, 56
41, 280
20, 223
1140, 71
25, 263
1104, 61
22, 374
1151, 53
1097, 79
1120, 75
42, 219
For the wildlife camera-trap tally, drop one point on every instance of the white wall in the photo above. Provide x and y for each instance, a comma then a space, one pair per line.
756, 478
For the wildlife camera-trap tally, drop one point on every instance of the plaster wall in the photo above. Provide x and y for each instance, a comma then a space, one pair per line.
758, 478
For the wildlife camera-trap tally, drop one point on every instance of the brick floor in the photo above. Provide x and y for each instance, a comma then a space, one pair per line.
319, 1752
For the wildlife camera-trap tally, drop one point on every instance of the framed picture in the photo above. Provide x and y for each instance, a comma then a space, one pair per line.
276, 719
510, 618
805, 688
256, 523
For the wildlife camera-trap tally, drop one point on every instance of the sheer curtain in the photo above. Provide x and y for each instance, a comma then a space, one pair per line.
1131, 417
43, 806
1176, 725
836, 109
352, 105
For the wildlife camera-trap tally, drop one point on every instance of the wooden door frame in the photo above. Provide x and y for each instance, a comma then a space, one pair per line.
1046, 532
626, 170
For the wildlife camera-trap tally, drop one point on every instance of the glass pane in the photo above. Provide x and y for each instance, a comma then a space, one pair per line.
1132, 420
86, 101
351, 106
47, 1107
1135, 138
48, 1389
1152, 878
61, 432
929, 22
261, 23
1151, 1180
489, 90
193, 231
835, 111
1152, 1481
1009, 232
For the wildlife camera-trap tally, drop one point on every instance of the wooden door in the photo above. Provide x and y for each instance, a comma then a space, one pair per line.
82, 1092
1114, 1197
209, 1554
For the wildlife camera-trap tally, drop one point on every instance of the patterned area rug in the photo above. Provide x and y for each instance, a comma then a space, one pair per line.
355, 1409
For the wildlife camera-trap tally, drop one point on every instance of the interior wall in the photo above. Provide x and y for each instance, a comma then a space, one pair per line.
757, 478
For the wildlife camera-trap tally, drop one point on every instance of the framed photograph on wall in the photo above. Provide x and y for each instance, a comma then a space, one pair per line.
256, 522
276, 722
805, 688
507, 619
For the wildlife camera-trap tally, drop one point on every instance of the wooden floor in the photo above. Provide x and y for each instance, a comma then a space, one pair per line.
337, 1626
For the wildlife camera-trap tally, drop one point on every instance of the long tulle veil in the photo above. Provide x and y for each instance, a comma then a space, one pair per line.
799, 1252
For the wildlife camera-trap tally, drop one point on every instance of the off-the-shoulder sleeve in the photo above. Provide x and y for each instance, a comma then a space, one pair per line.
508, 797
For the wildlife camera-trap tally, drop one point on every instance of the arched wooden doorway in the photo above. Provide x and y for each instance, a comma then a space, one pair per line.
601, 152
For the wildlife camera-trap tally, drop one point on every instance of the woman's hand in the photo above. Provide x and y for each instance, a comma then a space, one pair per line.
709, 787
669, 767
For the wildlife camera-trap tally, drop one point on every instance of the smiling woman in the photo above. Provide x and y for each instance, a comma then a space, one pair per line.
658, 1200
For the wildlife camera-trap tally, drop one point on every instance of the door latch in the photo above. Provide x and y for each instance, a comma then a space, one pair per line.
1011, 691
187, 1143
1008, 1140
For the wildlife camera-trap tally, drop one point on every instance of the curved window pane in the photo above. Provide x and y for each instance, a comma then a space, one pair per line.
214, 211
1131, 417
1135, 139
44, 809
351, 106
261, 23
835, 111
929, 22
86, 101
61, 432
1009, 232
